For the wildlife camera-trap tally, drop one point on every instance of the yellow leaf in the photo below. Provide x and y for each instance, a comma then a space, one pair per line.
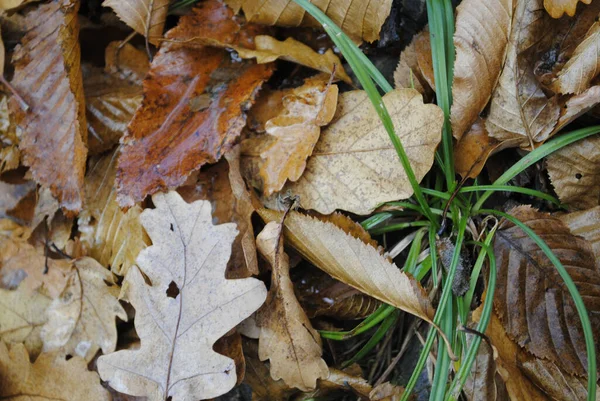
183, 305
146, 17
556, 8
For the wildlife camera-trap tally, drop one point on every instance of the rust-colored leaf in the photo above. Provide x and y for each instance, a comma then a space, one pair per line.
193, 110
48, 77
532, 300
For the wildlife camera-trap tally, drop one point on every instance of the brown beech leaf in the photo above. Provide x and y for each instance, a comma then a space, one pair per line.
408, 74
351, 261
293, 133
287, 338
48, 76
354, 166
519, 108
50, 377
9, 141
583, 66
187, 307
23, 315
532, 300
480, 50
146, 17
192, 112
231, 346
576, 106
112, 95
556, 384
518, 386
585, 224
112, 237
575, 173
223, 185
485, 383
82, 319
556, 8
359, 21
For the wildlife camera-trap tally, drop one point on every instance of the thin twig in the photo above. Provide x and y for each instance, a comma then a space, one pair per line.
22, 103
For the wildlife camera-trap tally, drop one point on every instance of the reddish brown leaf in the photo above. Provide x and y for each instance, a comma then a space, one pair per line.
192, 112
531, 298
48, 76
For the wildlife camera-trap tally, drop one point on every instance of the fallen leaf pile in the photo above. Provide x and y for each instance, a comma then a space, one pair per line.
184, 184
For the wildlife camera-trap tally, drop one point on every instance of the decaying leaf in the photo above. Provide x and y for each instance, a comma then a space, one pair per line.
48, 76
575, 173
408, 74
354, 166
556, 8
519, 108
583, 66
231, 346
112, 237
112, 95
192, 112
50, 377
187, 306
146, 17
359, 21
82, 319
293, 133
532, 300
351, 261
576, 106
518, 386
480, 49
9, 141
485, 383
585, 224
287, 338
223, 185
23, 315
12, 194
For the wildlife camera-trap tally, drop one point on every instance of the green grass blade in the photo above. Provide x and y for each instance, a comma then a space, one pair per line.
398, 226
371, 321
581, 309
376, 220
510, 188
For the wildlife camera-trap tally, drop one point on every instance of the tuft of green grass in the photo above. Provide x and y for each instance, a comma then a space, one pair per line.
447, 196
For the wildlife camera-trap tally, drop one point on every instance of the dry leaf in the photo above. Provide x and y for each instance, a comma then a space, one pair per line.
424, 59
351, 261
50, 377
386, 392
287, 337
480, 49
576, 106
48, 76
82, 319
531, 298
408, 74
518, 386
485, 383
224, 187
10, 4
519, 108
583, 66
9, 141
358, 20
231, 346
575, 173
12, 194
146, 17
556, 8
112, 237
186, 262
293, 133
23, 315
113, 95
354, 166
192, 112
585, 224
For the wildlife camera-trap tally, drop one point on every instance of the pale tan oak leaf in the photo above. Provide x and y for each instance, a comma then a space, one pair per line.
183, 306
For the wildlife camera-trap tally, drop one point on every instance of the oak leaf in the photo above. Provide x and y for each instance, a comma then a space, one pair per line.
352, 261
287, 337
82, 319
359, 21
111, 236
519, 108
193, 110
575, 173
585, 224
480, 50
293, 133
22, 318
556, 8
146, 17
583, 66
187, 307
354, 166
531, 298
48, 76
50, 377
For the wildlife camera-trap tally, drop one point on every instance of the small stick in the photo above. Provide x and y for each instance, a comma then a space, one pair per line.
22, 103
